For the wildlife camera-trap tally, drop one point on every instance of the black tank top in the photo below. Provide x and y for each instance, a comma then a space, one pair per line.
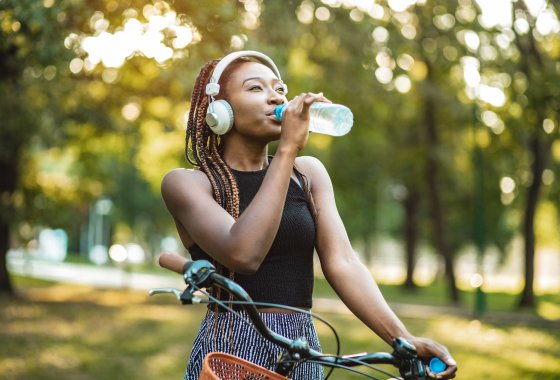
286, 274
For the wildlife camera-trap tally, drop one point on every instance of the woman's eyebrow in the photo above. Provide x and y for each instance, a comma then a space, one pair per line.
261, 79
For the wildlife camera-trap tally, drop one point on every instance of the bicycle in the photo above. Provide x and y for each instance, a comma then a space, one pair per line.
202, 274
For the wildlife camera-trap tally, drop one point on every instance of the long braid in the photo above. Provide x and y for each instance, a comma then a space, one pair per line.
197, 101
204, 149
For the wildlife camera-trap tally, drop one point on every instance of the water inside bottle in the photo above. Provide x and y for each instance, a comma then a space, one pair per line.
331, 119
326, 118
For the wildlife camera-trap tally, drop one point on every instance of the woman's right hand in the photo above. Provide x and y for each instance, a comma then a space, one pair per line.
295, 120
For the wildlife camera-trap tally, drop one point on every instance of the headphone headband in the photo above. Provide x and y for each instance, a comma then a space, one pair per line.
213, 88
219, 115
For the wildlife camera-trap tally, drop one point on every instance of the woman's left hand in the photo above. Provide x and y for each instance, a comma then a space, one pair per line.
427, 349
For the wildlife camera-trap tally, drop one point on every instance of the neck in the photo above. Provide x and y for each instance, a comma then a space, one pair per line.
244, 155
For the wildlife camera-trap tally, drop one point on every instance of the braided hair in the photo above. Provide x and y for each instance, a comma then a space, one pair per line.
204, 148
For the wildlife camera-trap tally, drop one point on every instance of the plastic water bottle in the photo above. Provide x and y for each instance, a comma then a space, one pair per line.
330, 119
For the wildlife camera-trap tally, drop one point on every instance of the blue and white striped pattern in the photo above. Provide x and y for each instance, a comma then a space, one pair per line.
249, 344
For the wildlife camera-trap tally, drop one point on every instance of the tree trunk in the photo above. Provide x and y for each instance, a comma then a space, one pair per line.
8, 181
5, 283
432, 173
410, 204
432, 167
438, 225
539, 150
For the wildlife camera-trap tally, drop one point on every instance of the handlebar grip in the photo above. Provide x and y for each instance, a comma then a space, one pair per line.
436, 365
173, 262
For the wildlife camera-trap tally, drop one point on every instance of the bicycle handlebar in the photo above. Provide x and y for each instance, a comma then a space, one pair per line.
202, 274
174, 263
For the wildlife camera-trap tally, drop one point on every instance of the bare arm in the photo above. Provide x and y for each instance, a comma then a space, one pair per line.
241, 244
350, 278
238, 244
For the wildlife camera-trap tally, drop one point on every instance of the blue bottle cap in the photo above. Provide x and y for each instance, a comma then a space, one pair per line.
437, 366
278, 111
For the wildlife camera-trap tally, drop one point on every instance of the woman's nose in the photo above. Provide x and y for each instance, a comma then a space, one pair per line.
275, 98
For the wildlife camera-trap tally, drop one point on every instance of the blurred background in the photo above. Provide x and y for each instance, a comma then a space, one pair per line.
447, 184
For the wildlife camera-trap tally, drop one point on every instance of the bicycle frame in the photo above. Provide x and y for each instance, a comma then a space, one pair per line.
202, 274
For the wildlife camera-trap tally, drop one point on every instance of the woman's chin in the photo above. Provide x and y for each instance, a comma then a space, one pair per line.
274, 134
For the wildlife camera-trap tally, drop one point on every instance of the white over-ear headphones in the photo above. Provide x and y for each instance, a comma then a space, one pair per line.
219, 115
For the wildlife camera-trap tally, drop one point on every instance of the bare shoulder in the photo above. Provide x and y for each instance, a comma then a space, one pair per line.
311, 167
316, 174
182, 182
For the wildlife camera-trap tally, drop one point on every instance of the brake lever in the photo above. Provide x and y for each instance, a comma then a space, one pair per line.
156, 291
186, 297
413, 369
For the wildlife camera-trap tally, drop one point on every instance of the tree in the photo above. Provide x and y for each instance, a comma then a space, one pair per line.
63, 107
519, 56
31, 53
544, 101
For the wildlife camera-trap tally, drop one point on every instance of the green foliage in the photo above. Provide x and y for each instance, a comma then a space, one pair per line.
68, 136
73, 131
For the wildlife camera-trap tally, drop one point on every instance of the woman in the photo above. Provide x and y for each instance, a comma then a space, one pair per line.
260, 218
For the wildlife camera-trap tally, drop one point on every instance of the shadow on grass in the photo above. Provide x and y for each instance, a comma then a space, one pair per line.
72, 332
483, 350
55, 331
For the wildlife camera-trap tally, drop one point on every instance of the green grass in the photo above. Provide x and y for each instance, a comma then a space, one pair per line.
436, 295
483, 350
55, 331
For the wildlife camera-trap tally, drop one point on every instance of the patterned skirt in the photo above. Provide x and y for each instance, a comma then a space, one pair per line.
236, 335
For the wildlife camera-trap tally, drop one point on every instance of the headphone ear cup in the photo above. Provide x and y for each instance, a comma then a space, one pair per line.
219, 117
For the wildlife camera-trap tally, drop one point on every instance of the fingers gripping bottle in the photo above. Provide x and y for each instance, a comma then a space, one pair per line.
327, 118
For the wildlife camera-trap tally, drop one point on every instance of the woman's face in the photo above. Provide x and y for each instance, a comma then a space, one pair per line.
254, 91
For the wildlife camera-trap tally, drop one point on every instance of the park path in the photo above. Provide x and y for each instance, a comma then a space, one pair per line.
97, 276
